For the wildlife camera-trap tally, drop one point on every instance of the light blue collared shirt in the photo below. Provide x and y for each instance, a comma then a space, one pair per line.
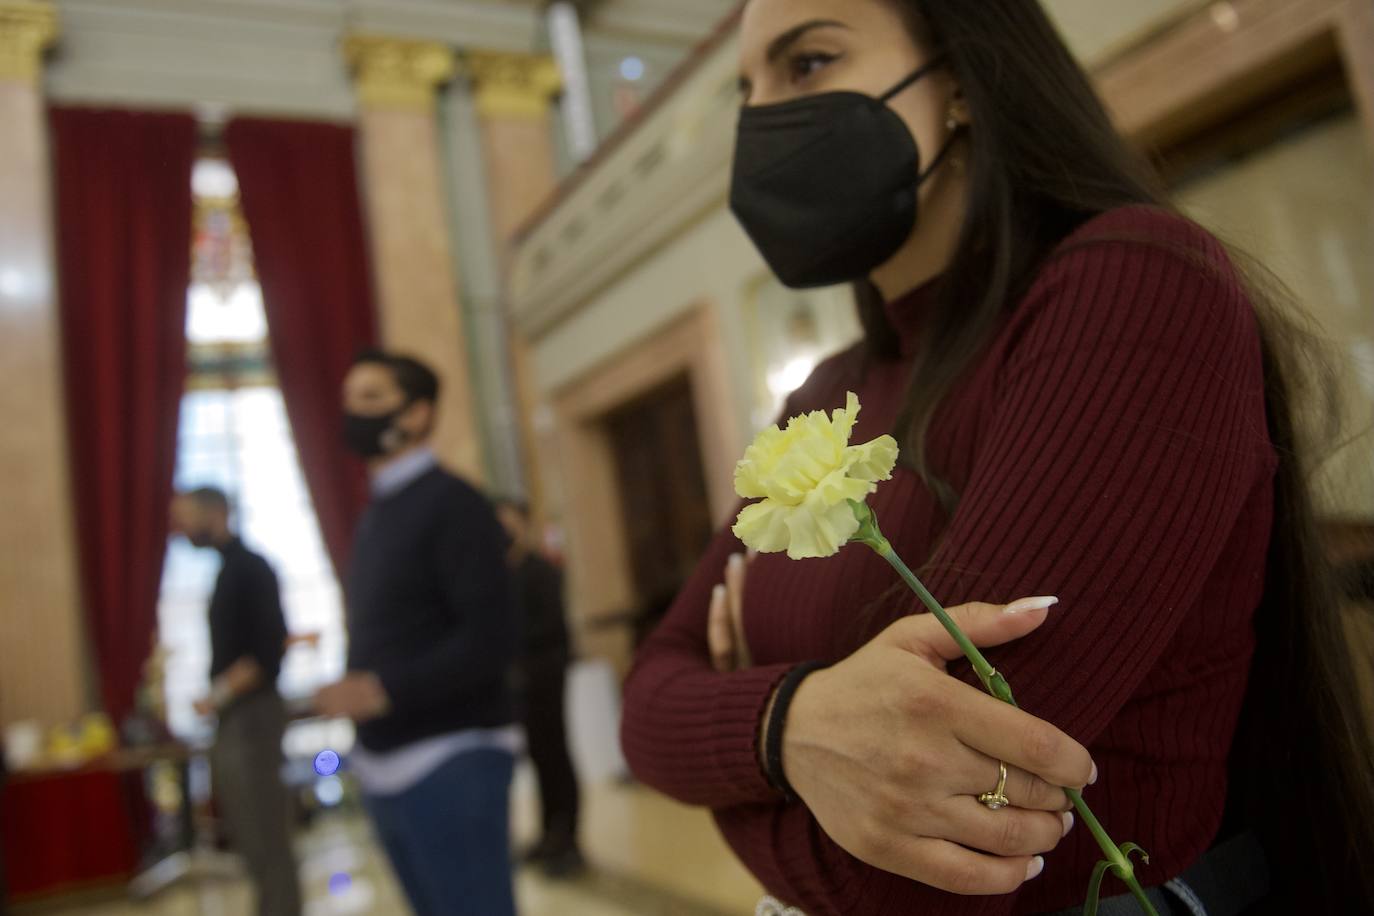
400, 473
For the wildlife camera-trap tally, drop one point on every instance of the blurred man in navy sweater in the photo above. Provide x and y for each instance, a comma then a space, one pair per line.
432, 640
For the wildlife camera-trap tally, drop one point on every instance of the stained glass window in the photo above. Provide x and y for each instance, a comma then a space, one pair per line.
234, 435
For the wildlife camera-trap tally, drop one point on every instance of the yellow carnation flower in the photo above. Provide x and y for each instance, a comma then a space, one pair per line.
805, 477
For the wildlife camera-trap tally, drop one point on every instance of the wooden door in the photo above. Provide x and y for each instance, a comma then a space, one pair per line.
666, 511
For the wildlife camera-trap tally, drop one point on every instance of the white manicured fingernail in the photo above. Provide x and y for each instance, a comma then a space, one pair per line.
718, 593
1068, 824
1037, 865
1026, 605
736, 559
1092, 780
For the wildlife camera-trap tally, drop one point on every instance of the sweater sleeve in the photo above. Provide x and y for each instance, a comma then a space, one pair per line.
268, 640
1127, 435
477, 650
687, 730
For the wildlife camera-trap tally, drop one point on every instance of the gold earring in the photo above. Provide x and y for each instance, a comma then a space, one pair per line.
957, 115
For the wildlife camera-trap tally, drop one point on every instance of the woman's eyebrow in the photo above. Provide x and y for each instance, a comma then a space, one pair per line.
780, 45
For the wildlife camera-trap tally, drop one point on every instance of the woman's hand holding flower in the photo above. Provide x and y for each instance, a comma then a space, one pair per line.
890, 753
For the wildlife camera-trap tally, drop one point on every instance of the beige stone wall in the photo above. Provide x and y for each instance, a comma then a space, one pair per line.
1097, 28
600, 574
1305, 208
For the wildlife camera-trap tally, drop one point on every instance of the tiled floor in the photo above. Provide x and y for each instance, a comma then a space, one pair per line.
640, 835
651, 857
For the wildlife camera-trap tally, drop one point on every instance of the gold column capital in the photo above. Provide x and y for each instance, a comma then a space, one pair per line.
27, 29
397, 73
512, 85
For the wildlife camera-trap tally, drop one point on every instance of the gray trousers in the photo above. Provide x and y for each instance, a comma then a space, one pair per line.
246, 765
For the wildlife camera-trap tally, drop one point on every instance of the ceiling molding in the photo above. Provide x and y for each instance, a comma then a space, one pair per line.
277, 12
668, 21
513, 26
268, 57
233, 55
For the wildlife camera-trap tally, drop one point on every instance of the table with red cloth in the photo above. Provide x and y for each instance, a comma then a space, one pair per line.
75, 830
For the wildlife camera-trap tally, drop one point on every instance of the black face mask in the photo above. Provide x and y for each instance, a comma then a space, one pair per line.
200, 539
826, 184
373, 437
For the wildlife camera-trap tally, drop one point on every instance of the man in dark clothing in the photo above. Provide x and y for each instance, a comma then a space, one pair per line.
546, 653
432, 638
247, 640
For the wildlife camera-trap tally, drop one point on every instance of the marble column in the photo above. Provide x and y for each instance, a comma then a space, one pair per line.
42, 657
411, 252
514, 95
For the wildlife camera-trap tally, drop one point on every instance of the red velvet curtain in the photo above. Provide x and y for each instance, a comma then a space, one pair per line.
298, 184
123, 220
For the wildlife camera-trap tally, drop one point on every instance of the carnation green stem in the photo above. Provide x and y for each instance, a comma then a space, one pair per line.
997, 685
992, 681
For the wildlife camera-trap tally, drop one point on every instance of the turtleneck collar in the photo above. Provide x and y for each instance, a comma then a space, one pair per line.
908, 313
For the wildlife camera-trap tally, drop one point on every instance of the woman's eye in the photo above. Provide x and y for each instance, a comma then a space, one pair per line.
804, 66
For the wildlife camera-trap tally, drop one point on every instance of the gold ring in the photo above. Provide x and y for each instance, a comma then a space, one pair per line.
997, 798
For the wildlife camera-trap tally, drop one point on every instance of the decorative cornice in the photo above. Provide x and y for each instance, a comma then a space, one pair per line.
397, 73
27, 29
666, 172
456, 23
512, 85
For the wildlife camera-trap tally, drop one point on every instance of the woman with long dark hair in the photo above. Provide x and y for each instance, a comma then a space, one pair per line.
1095, 401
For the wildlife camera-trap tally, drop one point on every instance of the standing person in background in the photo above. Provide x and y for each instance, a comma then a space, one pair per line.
546, 654
432, 639
247, 641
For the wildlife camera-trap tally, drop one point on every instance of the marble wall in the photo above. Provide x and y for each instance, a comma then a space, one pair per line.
416, 284
42, 650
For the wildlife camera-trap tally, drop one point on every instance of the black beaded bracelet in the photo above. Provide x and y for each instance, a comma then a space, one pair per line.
777, 718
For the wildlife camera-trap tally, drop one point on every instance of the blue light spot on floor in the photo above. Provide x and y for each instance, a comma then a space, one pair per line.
326, 763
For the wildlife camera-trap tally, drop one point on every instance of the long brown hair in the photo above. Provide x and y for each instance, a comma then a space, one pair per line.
1044, 157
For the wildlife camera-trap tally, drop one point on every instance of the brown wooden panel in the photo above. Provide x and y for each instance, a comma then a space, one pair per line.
664, 507
1207, 65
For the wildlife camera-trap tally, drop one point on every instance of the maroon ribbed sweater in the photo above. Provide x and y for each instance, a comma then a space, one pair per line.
1110, 447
